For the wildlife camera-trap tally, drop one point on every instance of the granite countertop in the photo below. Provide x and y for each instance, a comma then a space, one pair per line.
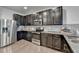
73, 43
57, 32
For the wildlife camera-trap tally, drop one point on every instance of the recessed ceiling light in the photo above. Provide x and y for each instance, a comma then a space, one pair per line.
25, 8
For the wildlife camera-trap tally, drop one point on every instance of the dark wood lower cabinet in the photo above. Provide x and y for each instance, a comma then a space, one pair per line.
49, 42
24, 35
55, 41
43, 39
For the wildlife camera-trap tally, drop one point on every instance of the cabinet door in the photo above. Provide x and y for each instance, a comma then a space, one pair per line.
57, 41
21, 21
43, 39
36, 36
40, 18
29, 20
45, 17
58, 16
18, 18
32, 19
19, 35
29, 36
49, 41
25, 20
49, 17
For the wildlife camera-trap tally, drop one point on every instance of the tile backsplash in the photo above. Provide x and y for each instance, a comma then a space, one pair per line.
51, 28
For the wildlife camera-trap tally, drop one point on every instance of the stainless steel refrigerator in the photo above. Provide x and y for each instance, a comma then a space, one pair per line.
8, 32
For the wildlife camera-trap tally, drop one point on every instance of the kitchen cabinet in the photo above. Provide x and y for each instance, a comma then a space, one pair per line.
24, 35
21, 35
38, 18
24, 20
49, 42
58, 16
29, 36
29, 19
47, 17
19, 19
52, 16
43, 39
55, 41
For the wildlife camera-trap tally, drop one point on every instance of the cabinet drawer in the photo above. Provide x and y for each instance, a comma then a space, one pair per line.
36, 36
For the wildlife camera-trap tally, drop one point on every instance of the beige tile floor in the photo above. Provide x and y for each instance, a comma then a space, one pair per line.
24, 46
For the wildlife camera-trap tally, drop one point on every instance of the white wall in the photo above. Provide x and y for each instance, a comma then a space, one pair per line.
6, 13
72, 14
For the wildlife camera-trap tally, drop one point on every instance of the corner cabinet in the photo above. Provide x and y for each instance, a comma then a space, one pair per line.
24, 35
55, 41
19, 19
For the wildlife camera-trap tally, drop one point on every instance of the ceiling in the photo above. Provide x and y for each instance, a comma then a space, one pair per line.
30, 9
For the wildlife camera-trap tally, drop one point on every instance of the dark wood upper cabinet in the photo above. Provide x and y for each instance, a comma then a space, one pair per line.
18, 18
45, 17
51, 16
58, 17
25, 20
38, 18
30, 19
